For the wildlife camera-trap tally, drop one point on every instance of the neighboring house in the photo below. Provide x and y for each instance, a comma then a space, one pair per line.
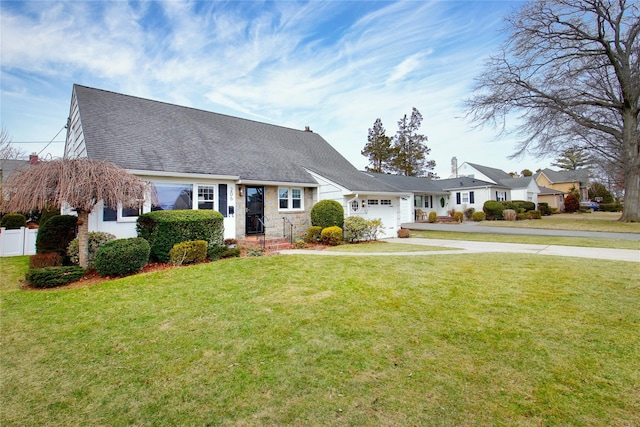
554, 198
8, 166
262, 178
565, 181
506, 186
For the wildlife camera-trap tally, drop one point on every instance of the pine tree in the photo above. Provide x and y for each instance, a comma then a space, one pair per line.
410, 148
378, 149
573, 158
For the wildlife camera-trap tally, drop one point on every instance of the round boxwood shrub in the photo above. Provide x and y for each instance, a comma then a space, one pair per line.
331, 235
493, 210
123, 256
56, 234
479, 216
313, 234
50, 277
13, 221
535, 215
458, 216
433, 217
327, 213
96, 240
191, 252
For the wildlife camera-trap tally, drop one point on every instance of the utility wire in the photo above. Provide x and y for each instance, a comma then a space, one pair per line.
52, 139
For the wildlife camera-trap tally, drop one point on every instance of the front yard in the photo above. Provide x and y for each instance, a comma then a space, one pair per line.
478, 339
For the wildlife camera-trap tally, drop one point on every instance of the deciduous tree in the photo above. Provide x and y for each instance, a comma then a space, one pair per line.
80, 183
571, 70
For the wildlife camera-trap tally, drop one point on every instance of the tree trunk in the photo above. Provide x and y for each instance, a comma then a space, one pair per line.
631, 146
83, 238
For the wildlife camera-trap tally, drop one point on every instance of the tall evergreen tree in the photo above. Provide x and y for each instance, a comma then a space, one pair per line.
573, 158
378, 149
410, 148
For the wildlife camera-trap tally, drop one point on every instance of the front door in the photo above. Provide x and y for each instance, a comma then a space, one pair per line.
255, 210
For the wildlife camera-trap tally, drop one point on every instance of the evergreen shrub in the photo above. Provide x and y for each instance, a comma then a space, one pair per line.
122, 256
479, 216
331, 235
571, 203
544, 208
163, 229
96, 240
493, 210
468, 213
535, 214
50, 259
433, 217
56, 234
327, 213
356, 229
611, 207
13, 221
190, 252
50, 277
313, 234
458, 216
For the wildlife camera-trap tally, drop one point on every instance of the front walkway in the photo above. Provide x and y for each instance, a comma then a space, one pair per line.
458, 247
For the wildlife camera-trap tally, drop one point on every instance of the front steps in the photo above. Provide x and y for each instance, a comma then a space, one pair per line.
270, 243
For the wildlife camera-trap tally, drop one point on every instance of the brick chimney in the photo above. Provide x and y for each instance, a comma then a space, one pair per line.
307, 129
33, 158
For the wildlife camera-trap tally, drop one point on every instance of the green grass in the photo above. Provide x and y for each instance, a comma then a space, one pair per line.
595, 221
539, 240
477, 339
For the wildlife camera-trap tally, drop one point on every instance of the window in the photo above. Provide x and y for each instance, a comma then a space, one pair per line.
385, 202
205, 197
109, 214
168, 197
465, 197
290, 198
372, 202
131, 212
501, 196
417, 201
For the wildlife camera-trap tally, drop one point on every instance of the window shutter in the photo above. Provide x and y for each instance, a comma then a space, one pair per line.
458, 198
222, 199
471, 198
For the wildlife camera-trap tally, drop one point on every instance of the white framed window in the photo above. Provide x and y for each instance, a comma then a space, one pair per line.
385, 202
501, 196
372, 202
290, 198
206, 197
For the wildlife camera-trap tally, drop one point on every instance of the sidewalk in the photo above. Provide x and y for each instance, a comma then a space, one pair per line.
460, 247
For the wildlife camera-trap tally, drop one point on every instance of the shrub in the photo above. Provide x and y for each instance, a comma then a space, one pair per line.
535, 214
509, 215
611, 207
331, 235
122, 256
519, 205
327, 213
56, 234
458, 216
356, 229
571, 203
468, 213
231, 253
50, 277
163, 229
13, 221
253, 252
493, 210
215, 252
50, 259
96, 240
479, 216
544, 208
49, 212
190, 252
433, 217
313, 234
375, 226
403, 233
300, 244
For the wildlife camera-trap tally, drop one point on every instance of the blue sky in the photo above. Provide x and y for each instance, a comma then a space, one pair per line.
334, 66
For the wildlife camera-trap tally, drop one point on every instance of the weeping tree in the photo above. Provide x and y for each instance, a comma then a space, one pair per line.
78, 183
569, 73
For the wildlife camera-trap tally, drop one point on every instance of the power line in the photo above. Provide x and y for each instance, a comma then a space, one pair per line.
37, 142
52, 139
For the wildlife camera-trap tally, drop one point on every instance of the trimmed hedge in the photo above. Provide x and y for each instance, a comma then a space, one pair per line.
458, 216
56, 234
50, 259
535, 215
327, 213
163, 229
96, 240
123, 256
433, 217
13, 221
544, 209
50, 277
493, 210
332, 235
190, 252
479, 216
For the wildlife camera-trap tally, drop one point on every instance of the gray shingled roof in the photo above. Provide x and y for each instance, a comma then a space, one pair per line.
410, 184
8, 166
579, 175
143, 134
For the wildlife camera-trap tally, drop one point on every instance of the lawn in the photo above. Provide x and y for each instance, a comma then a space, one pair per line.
475, 339
594, 221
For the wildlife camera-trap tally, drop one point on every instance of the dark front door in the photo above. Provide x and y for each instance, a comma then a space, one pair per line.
255, 210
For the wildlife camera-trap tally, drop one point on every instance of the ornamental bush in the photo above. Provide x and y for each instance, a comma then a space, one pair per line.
13, 221
50, 259
190, 252
356, 229
313, 234
122, 256
96, 240
403, 233
56, 234
479, 216
327, 213
331, 235
492, 209
509, 215
50, 277
468, 213
458, 216
163, 229
535, 215
571, 203
433, 217
543, 207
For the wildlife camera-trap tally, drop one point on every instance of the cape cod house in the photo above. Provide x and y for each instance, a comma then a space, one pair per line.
262, 178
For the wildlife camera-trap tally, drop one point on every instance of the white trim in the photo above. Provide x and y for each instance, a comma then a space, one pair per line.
162, 174
278, 183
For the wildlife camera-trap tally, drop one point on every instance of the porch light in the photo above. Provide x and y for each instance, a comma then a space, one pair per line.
241, 191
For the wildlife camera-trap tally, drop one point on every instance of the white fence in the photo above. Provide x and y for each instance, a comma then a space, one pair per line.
17, 242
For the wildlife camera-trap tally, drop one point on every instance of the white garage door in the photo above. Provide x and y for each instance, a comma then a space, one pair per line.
386, 211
